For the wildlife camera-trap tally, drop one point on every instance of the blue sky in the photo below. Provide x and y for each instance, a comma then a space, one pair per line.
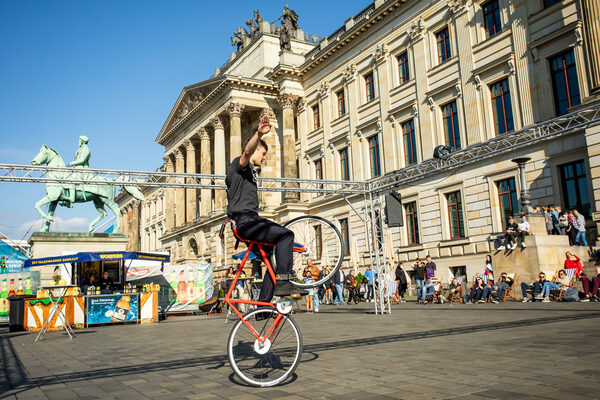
111, 70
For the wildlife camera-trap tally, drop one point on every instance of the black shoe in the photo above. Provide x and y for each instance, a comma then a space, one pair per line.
286, 288
264, 315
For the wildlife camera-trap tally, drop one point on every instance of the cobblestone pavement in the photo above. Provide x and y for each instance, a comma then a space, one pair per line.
478, 351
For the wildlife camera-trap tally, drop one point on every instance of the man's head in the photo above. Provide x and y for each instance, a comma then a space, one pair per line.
542, 276
455, 281
562, 273
83, 139
510, 218
428, 258
259, 155
92, 277
105, 275
368, 267
558, 208
575, 212
503, 276
309, 261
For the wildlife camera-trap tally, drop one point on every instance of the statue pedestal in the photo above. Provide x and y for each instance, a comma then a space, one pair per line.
49, 244
543, 253
287, 57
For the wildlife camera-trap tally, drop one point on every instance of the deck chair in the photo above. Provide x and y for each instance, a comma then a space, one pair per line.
458, 295
392, 292
557, 294
437, 287
511, 293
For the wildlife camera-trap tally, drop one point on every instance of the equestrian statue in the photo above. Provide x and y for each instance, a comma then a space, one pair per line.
68, 193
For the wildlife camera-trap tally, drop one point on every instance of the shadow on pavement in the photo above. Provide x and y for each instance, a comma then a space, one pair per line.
23, 382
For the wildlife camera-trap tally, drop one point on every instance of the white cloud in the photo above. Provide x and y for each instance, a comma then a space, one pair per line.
75, 224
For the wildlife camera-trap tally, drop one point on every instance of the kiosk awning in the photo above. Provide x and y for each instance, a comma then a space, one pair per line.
97, 256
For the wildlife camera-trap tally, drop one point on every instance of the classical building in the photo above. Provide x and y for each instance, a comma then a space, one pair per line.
144, 222
379, 95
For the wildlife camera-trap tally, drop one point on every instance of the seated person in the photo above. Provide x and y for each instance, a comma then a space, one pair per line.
106, 284
572, 261
476, 292
595, 281
503, 284
88, 283
535, 287
561, 281
523, 229
453, 288
509, 235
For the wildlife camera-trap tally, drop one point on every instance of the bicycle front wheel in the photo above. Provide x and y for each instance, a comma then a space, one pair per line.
272, 362
317, 239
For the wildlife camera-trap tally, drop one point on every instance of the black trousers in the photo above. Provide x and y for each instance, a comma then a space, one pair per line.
510, 237
262, 230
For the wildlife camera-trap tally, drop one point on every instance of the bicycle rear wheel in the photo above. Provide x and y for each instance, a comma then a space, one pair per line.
320, 241
268, 364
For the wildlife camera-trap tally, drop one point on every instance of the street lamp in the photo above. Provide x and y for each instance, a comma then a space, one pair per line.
525, 197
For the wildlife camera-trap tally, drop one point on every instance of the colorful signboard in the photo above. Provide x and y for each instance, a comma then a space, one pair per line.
110, 309
190, 285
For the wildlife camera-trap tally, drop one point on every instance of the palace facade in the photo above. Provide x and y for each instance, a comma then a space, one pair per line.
378, 95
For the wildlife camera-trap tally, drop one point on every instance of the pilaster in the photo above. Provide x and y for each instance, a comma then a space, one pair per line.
220, 162
235, 125
520, 36
288, 102
591, 27
205, 163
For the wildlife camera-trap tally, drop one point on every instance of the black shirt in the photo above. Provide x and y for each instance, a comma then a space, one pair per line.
512, 226
242, 192
420, 272
106, 283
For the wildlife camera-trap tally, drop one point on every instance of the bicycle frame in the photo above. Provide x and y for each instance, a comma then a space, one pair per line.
231, 302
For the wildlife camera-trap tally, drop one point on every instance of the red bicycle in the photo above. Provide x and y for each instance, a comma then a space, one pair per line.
265, 344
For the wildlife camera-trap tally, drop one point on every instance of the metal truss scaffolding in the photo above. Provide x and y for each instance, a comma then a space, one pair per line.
372, 191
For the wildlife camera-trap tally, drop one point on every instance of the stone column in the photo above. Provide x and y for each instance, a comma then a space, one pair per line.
235, 129
170, 195
179, 192
205, 154
190, 168
288, 103
219, 152
591, 26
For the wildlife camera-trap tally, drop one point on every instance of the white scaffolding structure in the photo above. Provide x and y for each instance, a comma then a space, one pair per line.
372, 191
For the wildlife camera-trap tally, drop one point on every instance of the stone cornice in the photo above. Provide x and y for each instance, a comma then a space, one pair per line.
352, 34
284, 71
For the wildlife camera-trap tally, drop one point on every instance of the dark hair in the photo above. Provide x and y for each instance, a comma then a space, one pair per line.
486, 257
261, 143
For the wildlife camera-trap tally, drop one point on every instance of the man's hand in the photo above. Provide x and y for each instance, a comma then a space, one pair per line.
264, 126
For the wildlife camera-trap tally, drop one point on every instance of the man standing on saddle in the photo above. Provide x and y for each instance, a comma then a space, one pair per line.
242, 207
82, 160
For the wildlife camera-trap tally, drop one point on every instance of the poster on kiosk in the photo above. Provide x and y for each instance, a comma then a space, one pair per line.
190, 285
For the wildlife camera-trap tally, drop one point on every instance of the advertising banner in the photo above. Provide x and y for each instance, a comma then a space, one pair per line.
190, 285
107, 309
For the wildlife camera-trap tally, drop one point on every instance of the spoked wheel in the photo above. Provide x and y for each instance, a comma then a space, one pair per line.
319, 240
271, 362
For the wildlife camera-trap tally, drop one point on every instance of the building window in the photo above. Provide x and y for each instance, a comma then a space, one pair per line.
548, 3
455, 215
410, 148
573, 179
345, 236
370, 86
507, 195
374, 155
319, 171
451, 125
316, 117
341, 102
491, 18
503, 117
403, 69
459, 271
412, 223
564, 80
443, 45
345, 164
318, 242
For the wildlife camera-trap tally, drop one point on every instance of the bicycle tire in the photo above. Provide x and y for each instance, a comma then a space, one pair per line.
333, 241
240, 349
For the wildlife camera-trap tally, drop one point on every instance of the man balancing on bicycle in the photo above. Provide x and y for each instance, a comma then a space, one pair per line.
242, 207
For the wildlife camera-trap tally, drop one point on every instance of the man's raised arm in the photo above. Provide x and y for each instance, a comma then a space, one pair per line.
263, 128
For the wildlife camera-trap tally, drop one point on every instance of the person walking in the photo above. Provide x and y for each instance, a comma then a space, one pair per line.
370, 281
402, 283
338, 282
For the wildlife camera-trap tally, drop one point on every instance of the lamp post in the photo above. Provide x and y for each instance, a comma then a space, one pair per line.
525, 197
